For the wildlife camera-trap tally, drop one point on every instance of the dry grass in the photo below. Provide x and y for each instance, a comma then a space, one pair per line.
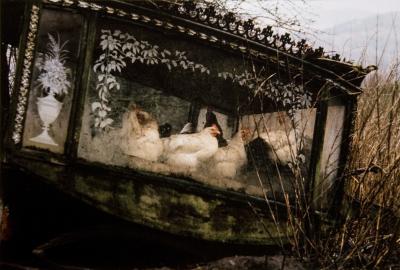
368, 236
377, 141
366, 233
374, 229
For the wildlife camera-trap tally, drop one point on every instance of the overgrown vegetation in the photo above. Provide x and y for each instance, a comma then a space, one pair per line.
376, 147
366, 233
367, 236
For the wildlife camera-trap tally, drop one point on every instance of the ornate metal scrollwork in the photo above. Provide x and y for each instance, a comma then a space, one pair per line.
246, 29
209, 15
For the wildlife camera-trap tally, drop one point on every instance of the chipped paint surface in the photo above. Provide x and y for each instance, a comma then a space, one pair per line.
177, 207
92, 192
179, 212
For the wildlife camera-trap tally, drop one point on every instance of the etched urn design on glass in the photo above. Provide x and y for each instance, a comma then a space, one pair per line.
54, 83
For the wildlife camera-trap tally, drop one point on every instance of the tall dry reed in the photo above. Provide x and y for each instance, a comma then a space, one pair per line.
368, 234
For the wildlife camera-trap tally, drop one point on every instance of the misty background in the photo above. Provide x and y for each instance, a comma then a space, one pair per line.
365, 32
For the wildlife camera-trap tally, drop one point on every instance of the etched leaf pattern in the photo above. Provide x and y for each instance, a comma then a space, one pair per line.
292, 96
119, 49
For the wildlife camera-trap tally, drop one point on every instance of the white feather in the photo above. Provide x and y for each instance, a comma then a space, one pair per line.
229, 160
188, 128
187, 150
283, 145
140, 139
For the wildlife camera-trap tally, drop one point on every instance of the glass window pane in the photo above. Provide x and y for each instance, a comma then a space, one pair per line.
158, 105
329, 164
53, 81
278, 151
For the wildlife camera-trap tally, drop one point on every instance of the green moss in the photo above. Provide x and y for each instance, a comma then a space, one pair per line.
181, 213
231, 220
197, 203
149, 201
99, 195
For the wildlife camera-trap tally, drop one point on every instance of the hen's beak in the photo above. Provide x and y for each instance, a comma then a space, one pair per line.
215, 132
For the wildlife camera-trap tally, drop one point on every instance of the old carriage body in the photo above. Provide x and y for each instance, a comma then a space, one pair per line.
179, 117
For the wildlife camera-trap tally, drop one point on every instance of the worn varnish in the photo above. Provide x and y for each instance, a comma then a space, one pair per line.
170, 66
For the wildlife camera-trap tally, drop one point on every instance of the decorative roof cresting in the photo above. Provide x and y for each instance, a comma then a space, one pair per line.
247, 29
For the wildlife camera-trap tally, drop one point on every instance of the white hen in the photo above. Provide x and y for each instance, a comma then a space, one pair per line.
229, 160
140, 136
188, 150
283, 145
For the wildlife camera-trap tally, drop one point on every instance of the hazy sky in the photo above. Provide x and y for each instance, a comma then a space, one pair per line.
327, 13
354, 40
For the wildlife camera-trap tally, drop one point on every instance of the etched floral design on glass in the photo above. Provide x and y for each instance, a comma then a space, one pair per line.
54, 84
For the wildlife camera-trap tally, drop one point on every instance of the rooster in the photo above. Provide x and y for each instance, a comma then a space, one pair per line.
229, 160
188, 150
140, 136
